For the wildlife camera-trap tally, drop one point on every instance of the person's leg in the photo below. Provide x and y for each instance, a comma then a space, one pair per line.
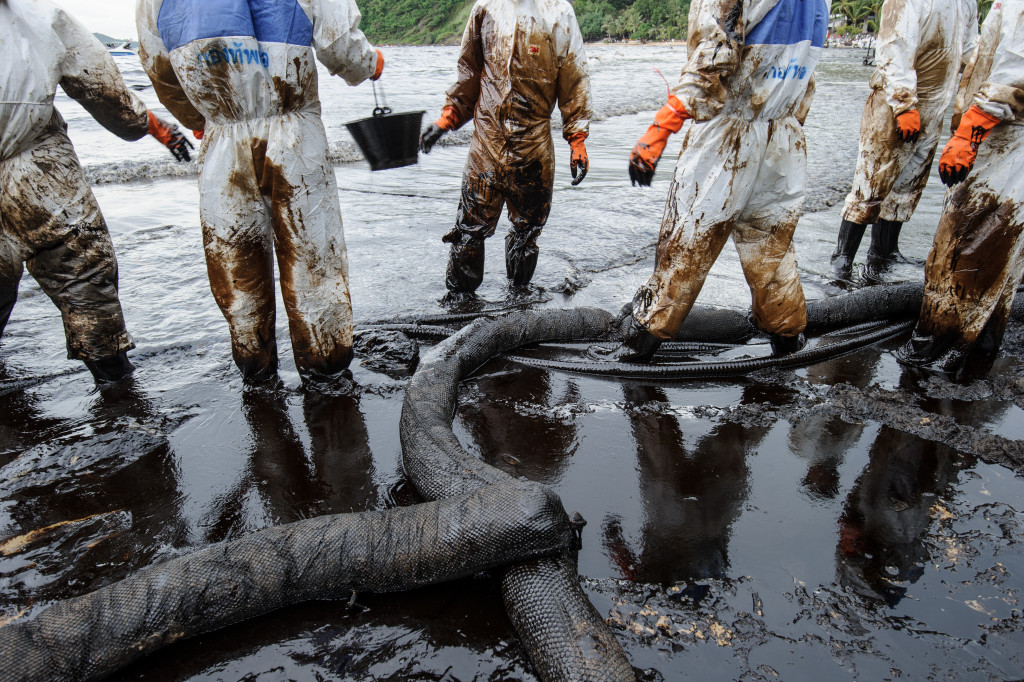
239, 255
310, 245
900, 204
11, 269
713, 180
976, 260
880, 162
763, 235
528, 198
479, 210
52, 217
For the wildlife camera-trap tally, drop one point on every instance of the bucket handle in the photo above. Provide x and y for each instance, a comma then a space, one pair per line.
379, 110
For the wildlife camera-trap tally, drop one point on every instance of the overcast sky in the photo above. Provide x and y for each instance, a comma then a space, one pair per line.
116, 18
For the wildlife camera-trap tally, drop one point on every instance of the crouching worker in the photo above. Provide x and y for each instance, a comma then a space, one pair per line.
517, 60
49, 218
746, 87
921, 44
977, 257
244, 72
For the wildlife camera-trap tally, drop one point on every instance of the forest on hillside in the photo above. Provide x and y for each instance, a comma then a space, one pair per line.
429, 22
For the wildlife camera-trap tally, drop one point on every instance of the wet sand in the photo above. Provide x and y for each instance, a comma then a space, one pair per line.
849, 520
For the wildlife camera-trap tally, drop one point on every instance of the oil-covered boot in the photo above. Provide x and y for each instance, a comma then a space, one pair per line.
521, 254
847, 244
638, 345
884, 251
465, 262
7, 300
787, 345
108, 370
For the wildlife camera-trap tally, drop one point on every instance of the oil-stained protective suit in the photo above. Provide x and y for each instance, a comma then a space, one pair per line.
920, 48
49, 218
518, 58
742, 171
977, 258
244, 71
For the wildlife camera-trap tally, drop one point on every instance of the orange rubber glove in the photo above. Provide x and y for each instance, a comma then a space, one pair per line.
644, 157
198, 134
962, 149
578, 160
449, 119
908, 125
380, 66
169, 136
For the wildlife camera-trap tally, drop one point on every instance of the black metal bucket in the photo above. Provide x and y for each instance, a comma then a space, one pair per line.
388, 140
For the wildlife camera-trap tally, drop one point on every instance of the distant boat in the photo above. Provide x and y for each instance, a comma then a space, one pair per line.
123, 50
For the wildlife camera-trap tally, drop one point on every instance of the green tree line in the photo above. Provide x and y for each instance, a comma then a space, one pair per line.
428, 22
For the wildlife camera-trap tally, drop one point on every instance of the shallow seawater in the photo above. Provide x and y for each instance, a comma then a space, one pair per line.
848, 520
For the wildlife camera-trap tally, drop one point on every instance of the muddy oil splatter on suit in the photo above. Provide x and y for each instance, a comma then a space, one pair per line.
245, 71
742, 171
921, 47
49, 219
977, 258
519, 58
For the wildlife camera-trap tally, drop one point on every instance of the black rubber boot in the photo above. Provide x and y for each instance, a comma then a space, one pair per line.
7, 300
884, 250
936, 353
638, 345
108, 370
787, 345
521, 253
465, 262
847, 244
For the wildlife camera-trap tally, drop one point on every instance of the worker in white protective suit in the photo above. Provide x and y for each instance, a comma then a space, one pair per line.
244, 72
518, 59
977, 258
49, 218
745, 90
921, 47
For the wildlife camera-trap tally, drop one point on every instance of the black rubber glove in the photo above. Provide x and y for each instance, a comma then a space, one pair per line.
430, 136
640, 172
179, 146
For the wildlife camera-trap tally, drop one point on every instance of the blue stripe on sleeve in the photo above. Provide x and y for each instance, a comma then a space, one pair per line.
273, 21
791, 22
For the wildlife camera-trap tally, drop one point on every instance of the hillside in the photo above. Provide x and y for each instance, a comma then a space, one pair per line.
440, 22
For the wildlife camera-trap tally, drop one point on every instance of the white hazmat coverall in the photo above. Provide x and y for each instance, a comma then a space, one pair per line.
49, 219
742, 171
977, 258
244, 71
920, 47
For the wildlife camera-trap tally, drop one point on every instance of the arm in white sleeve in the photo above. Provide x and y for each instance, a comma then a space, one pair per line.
1002, 94
156, 62
89, 76
339, 43
899, 35
714, 47
971, 36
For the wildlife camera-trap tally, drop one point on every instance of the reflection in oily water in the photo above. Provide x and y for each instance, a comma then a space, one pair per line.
884, 526
94, 502
824, 440
690, 496
511, 421
286, 482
